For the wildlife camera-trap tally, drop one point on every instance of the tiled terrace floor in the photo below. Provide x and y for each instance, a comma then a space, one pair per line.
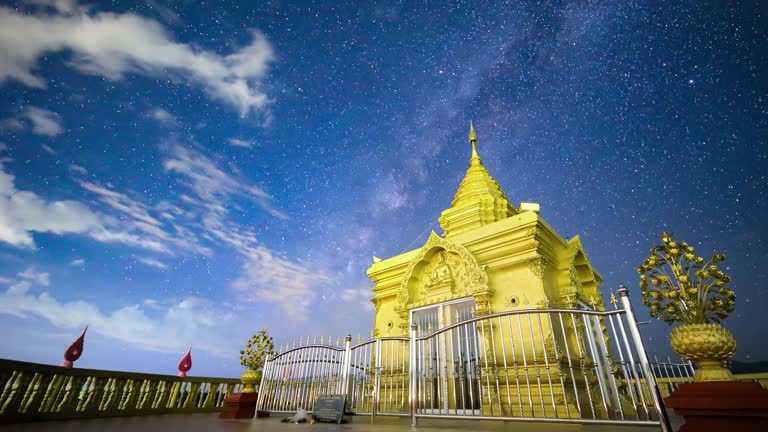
211, 423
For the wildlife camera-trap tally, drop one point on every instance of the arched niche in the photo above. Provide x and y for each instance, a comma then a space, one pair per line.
442, 271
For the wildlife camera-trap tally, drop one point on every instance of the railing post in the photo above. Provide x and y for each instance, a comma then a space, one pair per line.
413, 372
650, 378
343, 387
376, 380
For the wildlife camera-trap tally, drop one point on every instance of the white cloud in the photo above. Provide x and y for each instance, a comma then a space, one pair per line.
211, 184
163, 116
108, 236
78, 169
121, 202
292, 285
169, 328
112, 45
140, 228
11, 124
205, 178
361, 296
48, 149
64, 6
24, 212
152, 262
168, 15
44, 122
236, 142
77, 262
31, 274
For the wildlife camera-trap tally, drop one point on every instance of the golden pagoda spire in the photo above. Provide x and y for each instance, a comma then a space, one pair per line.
479, 199
472, 140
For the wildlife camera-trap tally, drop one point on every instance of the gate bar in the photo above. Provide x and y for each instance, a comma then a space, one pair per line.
412, 375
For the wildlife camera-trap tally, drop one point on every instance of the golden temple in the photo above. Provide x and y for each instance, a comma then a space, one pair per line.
494, 258
498, 256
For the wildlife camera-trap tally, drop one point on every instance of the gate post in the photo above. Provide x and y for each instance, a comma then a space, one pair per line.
265, 370
650, 378
413, 371
343, 387
376, 380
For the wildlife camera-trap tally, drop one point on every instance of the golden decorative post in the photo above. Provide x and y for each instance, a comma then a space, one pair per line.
257, 349
252, 357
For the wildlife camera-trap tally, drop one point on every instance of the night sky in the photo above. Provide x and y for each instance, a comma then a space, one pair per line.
180, 173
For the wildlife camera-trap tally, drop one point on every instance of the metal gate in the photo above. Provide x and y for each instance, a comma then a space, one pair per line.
295, 378
373, 375
544, 365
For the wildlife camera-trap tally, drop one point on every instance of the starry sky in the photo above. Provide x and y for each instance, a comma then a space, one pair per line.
183, 173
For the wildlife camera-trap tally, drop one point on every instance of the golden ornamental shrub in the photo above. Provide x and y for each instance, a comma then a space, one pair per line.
679, 286
257, 347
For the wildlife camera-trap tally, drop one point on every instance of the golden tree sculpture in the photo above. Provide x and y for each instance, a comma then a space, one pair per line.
679, 286
257, 347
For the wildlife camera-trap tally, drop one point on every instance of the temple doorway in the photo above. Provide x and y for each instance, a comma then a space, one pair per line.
451, 372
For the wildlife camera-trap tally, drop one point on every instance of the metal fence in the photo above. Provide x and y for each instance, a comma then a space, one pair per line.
556, 365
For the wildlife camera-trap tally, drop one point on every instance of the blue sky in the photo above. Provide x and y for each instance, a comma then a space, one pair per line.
182, 173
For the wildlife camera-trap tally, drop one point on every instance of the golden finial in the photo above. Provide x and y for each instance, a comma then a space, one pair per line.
614, 300
322, 339
301, 340
315, 341
338, 342
429, 327
475, 160
359, 338
307, 341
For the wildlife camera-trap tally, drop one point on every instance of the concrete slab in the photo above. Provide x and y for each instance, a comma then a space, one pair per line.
211, 423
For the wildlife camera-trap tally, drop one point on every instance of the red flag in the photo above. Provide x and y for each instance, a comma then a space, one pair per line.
75, 350
186, 363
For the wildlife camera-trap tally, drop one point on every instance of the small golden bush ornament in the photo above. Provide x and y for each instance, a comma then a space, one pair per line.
258, 346
679, 286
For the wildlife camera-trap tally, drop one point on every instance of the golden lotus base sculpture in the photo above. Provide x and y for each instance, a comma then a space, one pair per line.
250, 379
709, 345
